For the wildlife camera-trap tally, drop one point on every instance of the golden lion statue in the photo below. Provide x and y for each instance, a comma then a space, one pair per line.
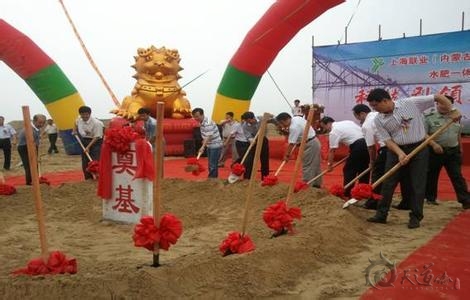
157, 81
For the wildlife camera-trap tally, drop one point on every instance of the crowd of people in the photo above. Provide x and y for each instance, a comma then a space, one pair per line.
384, 138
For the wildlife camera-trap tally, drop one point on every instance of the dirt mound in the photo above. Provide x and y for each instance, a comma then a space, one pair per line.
111, 267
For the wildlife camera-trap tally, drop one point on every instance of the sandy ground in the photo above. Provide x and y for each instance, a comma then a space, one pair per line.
325, 259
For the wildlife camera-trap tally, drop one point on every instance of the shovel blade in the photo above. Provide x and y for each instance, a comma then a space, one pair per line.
350, 202
232, 178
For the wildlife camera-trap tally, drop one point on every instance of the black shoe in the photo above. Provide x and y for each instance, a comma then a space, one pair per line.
432, 202
413, 223
466, 205
400, 207
376, 219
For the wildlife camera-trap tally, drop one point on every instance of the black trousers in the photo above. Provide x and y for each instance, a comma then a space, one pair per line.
451, 160
415, 170
357, 162
378, 170
242, 147
52, 141
23, 152
5, 144
94, 152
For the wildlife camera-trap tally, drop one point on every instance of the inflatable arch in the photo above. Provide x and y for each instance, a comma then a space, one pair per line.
45, 78
258, 50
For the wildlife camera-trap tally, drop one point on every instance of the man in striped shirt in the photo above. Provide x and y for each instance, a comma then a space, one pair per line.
211, 136
400, 125
378, 156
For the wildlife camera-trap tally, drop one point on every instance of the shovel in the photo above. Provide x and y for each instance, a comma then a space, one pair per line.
194, 167
232, 178
86, 153
326, 171
397, 166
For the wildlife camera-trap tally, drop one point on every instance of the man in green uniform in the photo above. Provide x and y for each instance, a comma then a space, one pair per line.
445, 152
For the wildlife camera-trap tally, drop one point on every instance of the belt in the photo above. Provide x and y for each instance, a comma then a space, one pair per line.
308, 140
409, 146
356, 142
311, 139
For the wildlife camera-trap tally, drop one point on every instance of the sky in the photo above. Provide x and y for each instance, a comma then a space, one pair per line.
206, 33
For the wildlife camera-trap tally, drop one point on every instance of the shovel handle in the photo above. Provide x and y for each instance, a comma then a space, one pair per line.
201, 150
357, 177
83, 147
326, 171
284, 162
425, 143
249, 148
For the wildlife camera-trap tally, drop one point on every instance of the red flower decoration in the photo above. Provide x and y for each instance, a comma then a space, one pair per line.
270, 180
44, 180
146, 234
337, 190
57, 263
238, 169
119, 138
93, 166
364, 191
6, 189
235, 242
279, 218
300, 185
171, 229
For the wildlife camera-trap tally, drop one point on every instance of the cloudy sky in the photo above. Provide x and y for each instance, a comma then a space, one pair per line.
207, 33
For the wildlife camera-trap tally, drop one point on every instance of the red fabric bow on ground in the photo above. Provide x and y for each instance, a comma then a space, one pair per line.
146, 234
364, 191
194, 166
44, 180
93, 166
299, 186
238, 169
270, 180
6, 189
236, 243
279, 218
57, 263
337, 190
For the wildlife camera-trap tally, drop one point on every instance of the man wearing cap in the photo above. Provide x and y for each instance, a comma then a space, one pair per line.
445, 151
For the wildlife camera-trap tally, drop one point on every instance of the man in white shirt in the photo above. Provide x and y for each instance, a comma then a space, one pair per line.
350, 134
38, 122
311, 157
7, 138
90, 131
297, 109
228, 129
377, 157
51, 131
